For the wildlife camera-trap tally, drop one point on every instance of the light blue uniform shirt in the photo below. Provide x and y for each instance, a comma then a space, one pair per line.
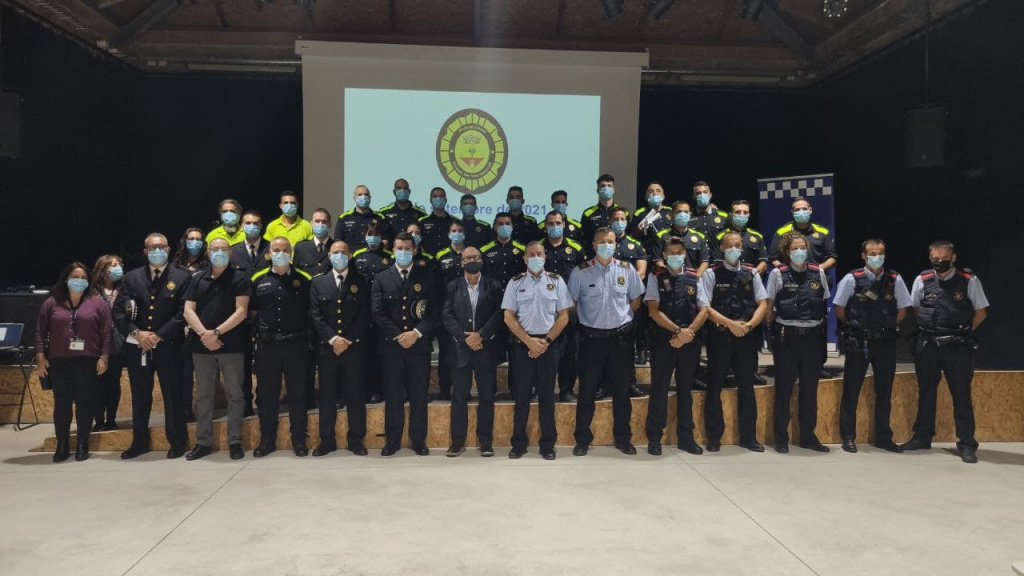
848, 286
536, 300
603, 293
775, 283
975, 293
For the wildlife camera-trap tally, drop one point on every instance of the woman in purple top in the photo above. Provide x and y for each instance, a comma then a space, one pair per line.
72, 346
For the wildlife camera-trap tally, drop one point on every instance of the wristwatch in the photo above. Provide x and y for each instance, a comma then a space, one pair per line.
216, 333
678, 330
548, 340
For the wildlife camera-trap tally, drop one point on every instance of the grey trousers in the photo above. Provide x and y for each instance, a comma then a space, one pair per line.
232, 367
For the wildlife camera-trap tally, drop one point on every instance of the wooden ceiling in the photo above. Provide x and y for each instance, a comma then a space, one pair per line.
790, 43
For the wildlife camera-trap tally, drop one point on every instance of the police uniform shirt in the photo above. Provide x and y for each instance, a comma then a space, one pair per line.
570, 229
562, 259
312, 257
754, 250
369, 263
708, 281
848, 287
708, 222
503, 261
536, 300
435, 231
351, 227
221, 232
653, 294
524, 228
450, 264
281, 301
775, 284
695, 242
975, 293
298, 231
595, 217
398, 218
821, 244
421, 258
603, 293
478, 232
629, 249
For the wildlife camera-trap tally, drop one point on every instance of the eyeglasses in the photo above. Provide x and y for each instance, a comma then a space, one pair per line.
472, 259
157, 247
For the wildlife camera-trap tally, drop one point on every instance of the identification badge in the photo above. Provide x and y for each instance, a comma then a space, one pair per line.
871, 295
77, 344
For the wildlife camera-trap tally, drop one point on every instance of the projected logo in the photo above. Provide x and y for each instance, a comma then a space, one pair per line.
472, 151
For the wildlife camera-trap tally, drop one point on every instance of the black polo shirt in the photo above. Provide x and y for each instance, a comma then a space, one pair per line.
281, 302
215, 303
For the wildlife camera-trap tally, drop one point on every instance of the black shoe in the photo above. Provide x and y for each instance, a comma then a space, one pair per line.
82, 450
387, 451
63, 451
849, 446
455, 450
339, 405
815, 446
486, 450
691, 447
567, 396
753, 446
198, 452
967, 454
300, 448
357, 448
422, 451
265, 447
759, 380
248, 412
175, 453
190, 416
599, 394
917, 444
699, 384
654, 448
636, 392
236, 452
111, 426
516, 453
714, 446
888, 445
133, 452
375, 399
580, 450
782, 448
98, 427
325, 448
626, 448
549, 455
445, 395
825, 375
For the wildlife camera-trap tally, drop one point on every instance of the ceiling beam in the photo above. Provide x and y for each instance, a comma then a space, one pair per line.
770, 20
151, 16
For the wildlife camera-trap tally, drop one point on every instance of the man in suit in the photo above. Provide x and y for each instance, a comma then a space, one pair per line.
406, 305
339, 311
148, 312
472, 316
310, 256
249, 257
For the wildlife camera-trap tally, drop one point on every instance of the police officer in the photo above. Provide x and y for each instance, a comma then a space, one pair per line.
148, 313
420, 256
435, 225
281, 303
950, 305
449, 260
406, 305
398, 214
754, 251
444, 342
536, 305
503, 258
478, 232
249, 257
352, 224
524, 226
311, 256
821, 242
290, 224
572, 228
678, 305
229, 214
607, 292
738, 306
645, 225
872, 302
706, 218
629, 249
597, 215
369, 261
799, 293
697, 250
339, 309
563, 254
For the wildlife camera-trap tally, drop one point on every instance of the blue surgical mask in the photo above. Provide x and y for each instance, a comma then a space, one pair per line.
505, 231
373, 241
605, 192
618, 227
157, 257
876, 261
457, 237
560, 207
468, 210
363, 201
289, 210
416, 239
733, 254
438, 202
402, 194
320, 230
554, 232
77, 285
675, 261
802, 216
535, 264
655, 200
515, 204
280, 259
229, 218
116, 273
219, 258
193, 246
403, 257
605, 250
740, 220
339, 261
703, 200
682, 219
251, 230
798, 256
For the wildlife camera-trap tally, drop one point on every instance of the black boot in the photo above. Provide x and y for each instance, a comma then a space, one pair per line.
63, 451
82, 450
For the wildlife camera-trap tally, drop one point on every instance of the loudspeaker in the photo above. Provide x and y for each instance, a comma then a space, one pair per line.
925, 137
10, 125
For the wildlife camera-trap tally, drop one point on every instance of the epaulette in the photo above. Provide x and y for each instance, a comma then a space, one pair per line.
585, 264
698, 233
575, 223
528, 217
519, 276
343, 214
785, 229
663, 232
484, 223
518, 245
813, 267
591, 210
892, 274
820, 229
639, 211
783, 268
388, 207
965, 272
692, 272
488, 246
388, 252
427, 255
260, 273
721, 234
319, 275
302, 273
746, 266
625, 264
576, 245
859, 273
424, 217
553, 275
628, 237
927, 274
754, 232
360, 251
722, 213
442, 253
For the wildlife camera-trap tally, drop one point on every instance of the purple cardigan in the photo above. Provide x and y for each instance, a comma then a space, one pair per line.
93, 323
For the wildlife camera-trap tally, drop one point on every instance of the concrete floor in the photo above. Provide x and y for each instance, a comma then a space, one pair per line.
733, 512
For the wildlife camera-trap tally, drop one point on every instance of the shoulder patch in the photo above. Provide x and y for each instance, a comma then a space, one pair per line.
965, 272
783, 268
892, 274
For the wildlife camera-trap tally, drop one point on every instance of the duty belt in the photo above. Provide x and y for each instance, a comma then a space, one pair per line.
597, 333
280, 336
873, 334
784, 330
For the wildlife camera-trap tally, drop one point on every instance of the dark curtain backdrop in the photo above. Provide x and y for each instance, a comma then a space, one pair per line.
111, 154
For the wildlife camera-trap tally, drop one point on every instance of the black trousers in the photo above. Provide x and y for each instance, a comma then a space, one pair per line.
74, 383
445, 360
882, 357
405, 371
375, 385
312, 359
247, 365
666, 361
607, 359
956, 361
188, 381
797, 356
486, 372
165, 362
726, 352
539, 372
108, 391
343, 374
274, 360
567, 357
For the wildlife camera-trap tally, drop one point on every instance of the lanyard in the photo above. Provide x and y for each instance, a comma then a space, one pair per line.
74, 318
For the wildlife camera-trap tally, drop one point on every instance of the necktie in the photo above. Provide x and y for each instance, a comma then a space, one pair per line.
341, 279
320, 249
156, 276
252, 253
405, 276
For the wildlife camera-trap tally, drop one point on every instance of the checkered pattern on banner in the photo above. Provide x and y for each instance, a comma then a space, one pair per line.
808, 187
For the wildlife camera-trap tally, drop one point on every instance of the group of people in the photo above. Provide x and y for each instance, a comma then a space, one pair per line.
346, 310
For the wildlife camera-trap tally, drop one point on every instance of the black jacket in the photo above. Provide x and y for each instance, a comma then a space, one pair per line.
397, 308
160, 306
344, 312
306, 258
241, 260
457, 316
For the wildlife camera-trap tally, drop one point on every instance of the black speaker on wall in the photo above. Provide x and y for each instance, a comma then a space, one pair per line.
10, 125
925, 137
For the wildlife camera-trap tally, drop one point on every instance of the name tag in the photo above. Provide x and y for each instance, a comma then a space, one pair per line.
77, 344
870, 294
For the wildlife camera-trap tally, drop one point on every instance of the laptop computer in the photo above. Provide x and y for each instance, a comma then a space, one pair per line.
10, 335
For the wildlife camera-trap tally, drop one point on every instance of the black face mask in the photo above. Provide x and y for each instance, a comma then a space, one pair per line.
473, 267
942, 266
